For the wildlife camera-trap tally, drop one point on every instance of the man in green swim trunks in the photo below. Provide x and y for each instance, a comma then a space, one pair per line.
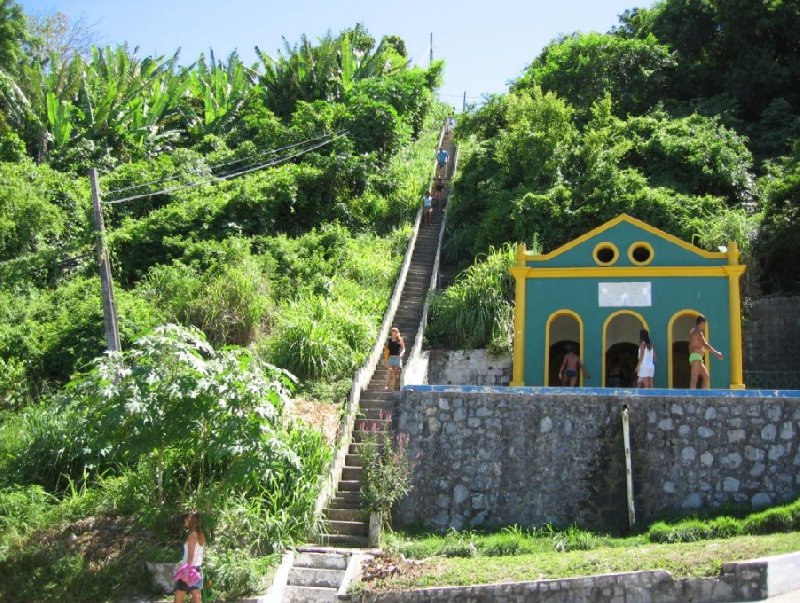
697, 346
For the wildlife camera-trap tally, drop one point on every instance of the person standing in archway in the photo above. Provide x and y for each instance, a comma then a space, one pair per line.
697, 347
568, 373
646, 365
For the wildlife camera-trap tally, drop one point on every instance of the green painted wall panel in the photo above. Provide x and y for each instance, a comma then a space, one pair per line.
669, 295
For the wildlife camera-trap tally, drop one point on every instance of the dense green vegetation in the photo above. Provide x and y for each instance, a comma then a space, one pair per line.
257, 216
686, 115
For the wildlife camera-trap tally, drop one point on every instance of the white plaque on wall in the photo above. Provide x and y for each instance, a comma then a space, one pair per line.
616, 295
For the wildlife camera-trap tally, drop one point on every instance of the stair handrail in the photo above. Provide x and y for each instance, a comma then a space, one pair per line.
361, 379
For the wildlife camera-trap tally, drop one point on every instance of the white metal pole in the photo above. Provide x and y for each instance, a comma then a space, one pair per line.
626, 437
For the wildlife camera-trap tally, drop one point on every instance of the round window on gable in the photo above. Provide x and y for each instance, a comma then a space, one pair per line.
641, 253
605, 254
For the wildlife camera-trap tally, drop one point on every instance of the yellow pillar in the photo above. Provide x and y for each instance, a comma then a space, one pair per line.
735, 271
518, 365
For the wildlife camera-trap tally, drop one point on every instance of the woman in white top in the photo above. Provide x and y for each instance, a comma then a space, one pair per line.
645, 367
193, 550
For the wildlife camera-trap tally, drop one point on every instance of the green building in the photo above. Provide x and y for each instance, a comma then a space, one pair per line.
596, 292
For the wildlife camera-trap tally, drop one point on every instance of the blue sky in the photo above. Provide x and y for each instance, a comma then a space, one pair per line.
485, 43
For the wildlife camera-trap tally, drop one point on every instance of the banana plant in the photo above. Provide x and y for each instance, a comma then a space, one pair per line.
218, 90
128, 101
59, 116
38, 103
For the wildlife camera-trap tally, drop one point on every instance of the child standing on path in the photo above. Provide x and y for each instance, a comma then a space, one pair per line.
189, 577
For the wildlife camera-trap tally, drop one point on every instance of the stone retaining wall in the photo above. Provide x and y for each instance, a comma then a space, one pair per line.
467, 367
530, 456
771, 333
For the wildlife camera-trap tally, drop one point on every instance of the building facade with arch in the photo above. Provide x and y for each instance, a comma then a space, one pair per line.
596, 292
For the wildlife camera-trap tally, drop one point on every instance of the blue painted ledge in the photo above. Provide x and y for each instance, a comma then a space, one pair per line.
628, 392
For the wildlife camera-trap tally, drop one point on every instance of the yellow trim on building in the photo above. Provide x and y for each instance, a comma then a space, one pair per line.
644, 272
670, 341
735, 271
635, 246
630, 220
605, 245
550, 319
608, 319
518, 362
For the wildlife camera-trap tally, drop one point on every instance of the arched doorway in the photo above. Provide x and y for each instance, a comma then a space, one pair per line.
564, 328
680, 325
621, 345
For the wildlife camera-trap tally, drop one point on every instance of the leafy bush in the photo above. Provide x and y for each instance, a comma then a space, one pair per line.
387, 471
142, 403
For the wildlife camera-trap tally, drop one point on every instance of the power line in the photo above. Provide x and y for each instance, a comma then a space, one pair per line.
216, 166
228, 176
38, 256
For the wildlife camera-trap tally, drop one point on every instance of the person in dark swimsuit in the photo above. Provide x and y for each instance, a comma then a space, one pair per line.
568, 373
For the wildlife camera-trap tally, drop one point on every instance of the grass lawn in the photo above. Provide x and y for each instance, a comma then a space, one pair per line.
542, 560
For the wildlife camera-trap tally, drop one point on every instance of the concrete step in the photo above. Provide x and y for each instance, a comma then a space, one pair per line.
332, 561
339, 502
345, 540
354, 460
345, 514
315, 576
309, 594
355, 448
376, 412
361, 436
379, 425
351, 473
349, 528
348, 485
387, 406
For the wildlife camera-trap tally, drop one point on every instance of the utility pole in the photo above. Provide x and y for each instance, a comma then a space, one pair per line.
430, 58
109, 305
464, 103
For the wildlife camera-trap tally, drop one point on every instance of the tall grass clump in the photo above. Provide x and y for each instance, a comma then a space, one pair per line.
784, 518
476, 310
232, 305
43, 445
315, 338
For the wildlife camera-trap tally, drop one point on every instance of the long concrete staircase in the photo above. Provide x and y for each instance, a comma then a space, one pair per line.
317, 573
348, 523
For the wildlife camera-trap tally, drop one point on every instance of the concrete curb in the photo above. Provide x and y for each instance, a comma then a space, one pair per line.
752, 580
